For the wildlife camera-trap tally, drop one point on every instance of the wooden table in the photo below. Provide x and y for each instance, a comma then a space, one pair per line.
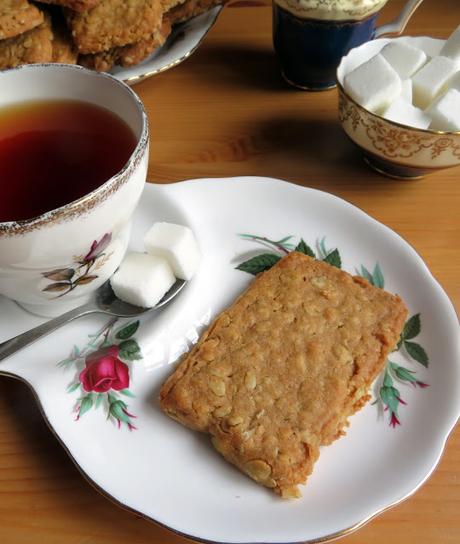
226, 112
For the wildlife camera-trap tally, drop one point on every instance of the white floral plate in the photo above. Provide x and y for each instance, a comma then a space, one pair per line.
150, 464
181, 43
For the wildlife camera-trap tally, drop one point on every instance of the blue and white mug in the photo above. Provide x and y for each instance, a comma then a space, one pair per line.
311, 36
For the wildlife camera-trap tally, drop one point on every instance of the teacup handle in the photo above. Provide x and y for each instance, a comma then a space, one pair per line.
399, 24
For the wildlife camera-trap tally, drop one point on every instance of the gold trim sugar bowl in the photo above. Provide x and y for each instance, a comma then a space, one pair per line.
393, 149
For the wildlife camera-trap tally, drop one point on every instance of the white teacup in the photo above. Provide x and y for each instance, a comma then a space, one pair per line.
89, 236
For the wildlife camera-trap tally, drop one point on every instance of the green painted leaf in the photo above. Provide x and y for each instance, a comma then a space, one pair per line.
127, 393
403, 374
99, 400
367, 275
387, 381
86, 404
129, 350
127, 331
334, 259
302, 247
417, 352
389, 396
116, 410
258, 264
377, 277
393, 400
73, 387
385, 393
412, 327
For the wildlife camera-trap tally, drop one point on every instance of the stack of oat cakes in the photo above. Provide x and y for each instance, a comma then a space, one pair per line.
96, 33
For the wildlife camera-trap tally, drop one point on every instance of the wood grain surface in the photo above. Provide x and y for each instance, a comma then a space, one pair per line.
227, 112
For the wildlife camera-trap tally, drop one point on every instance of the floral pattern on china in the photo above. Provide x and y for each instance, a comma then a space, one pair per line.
65, 280
103, 373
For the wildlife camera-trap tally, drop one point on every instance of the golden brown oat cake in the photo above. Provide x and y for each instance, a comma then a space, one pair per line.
129, 55
76, 5
278, 373
18, 16
114, 23
33, 46
189, 9
137, 52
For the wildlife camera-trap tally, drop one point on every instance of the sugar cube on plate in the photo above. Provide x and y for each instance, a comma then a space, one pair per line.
176, 244
445, 112
432, 80
405, 113
374, 84
406, 90
451, 48
142, 279
404, 58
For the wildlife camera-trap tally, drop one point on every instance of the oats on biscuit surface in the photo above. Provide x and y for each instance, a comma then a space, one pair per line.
33, 46
114, 23
18, 16
279, 372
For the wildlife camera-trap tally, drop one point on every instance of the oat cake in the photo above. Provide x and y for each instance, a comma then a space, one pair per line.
18, 16
190, 8
114, 23
278, 373
128, 55
36, 45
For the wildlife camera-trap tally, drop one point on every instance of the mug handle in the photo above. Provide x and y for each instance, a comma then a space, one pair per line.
399, 24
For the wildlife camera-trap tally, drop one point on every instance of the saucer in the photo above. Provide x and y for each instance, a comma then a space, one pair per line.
149, 464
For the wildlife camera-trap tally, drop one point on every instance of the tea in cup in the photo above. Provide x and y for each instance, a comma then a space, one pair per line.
73, 164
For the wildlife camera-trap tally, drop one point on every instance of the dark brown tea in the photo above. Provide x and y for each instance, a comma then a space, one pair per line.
54, 152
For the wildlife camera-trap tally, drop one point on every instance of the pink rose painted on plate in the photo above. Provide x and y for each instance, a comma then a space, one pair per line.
104, 371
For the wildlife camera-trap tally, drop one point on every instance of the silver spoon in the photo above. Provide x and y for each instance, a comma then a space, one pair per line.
105, 302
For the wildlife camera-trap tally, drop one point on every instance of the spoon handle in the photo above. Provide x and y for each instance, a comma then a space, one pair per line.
13, 345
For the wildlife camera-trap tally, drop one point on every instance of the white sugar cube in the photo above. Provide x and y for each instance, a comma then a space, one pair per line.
406, 90
176, 244
451, 48
432, 80
446, 112
374, 84
142, 279
405, 113
404, 58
